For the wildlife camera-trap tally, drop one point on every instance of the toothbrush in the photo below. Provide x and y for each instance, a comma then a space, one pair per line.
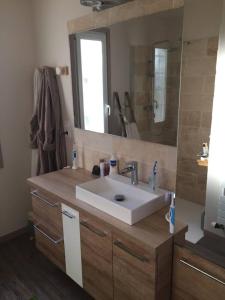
152, 180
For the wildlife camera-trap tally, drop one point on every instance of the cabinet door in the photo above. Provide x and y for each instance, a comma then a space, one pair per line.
50, 245
48, 227
96, 251
195, 278
71, 234
133, 270
47, 211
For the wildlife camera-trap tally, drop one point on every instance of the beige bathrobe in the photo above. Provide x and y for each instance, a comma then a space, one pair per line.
47, 134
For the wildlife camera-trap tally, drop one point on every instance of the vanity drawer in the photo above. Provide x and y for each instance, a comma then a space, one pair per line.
50, 245
96, 252
47, 212
134, 270
196, 278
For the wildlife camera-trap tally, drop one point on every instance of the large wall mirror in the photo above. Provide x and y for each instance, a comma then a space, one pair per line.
126, 77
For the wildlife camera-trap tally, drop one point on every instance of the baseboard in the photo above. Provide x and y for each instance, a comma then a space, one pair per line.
13, 235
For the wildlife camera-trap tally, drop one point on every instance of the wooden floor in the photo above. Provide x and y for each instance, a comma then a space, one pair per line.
25, 274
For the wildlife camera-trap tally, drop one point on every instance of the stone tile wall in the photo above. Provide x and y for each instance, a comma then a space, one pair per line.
197, 89
94, 146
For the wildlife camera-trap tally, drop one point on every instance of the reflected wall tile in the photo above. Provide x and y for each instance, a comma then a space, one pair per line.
212, 46
208, 85
192, 85
191, 118
195, 48
206, 119
201, 66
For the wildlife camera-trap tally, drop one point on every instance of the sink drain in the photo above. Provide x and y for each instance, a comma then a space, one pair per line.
119, 198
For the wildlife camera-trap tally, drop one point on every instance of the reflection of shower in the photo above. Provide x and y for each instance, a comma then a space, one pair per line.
99, 5
159, 76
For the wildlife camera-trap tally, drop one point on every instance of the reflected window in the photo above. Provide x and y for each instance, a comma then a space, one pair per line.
92, 66
160, 84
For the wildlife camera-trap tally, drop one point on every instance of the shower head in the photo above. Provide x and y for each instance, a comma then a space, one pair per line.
99, 5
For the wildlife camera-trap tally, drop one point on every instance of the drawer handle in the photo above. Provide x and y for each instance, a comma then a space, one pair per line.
69, 215
126, 249
36, 195
47, 236
201, 271
93, 229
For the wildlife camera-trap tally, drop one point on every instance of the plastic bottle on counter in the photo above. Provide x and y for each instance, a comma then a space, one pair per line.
102, 167
113, 165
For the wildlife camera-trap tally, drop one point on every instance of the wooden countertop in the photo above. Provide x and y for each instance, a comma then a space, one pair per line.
152, 231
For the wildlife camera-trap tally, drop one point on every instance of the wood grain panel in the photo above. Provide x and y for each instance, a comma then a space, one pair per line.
54, 252
164, 261
152, 231
49, 220
47, 215
96, 249
192, 277
134, 270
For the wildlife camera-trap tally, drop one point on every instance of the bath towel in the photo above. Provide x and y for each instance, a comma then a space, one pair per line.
47, 134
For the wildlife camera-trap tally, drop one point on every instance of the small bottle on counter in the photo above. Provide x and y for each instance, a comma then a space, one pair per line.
205, 150
102, 167
113, 165
107, 168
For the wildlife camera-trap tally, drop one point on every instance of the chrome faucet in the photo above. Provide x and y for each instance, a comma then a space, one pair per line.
132, 167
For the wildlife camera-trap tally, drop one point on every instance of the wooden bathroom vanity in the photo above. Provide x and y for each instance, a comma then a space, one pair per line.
108, 258
199, 270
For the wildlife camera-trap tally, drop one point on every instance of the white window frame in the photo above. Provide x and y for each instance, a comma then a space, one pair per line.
95, 36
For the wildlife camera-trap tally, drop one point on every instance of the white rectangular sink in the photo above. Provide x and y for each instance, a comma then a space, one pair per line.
140, 201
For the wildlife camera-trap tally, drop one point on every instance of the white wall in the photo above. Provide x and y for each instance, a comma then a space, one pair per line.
16, 61
20, 21
52, 43
120, 59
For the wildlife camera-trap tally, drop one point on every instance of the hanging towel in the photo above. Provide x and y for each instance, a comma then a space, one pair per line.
131, 124
47, 134
132, 131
